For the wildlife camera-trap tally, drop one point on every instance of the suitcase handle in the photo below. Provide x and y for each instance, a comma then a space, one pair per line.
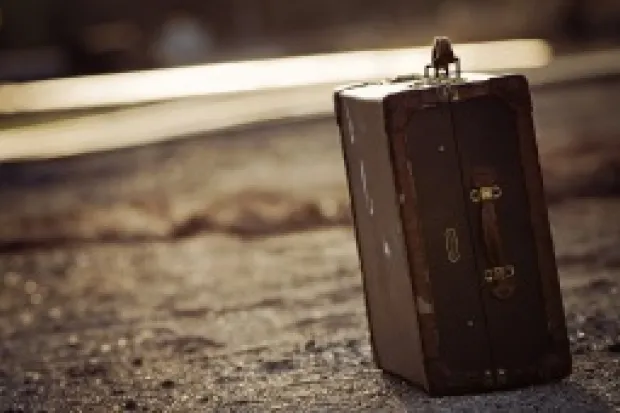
442, 57
498, 275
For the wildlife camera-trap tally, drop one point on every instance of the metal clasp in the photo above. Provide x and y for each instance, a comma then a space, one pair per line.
496, 274
485, 193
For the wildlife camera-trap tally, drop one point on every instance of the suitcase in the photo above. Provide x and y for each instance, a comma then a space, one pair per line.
459, 273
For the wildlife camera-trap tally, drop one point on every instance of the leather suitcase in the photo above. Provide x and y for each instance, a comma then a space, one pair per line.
459, 271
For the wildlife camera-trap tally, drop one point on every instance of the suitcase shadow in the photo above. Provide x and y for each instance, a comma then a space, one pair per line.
563, 396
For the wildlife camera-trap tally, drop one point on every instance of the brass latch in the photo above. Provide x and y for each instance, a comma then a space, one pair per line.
497, 274
485, 193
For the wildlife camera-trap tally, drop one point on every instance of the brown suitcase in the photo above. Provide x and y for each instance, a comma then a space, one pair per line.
459, 272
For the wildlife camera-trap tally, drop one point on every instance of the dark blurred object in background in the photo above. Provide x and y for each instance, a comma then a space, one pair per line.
51, 38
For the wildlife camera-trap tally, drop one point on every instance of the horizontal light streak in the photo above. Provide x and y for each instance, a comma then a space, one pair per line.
236, 77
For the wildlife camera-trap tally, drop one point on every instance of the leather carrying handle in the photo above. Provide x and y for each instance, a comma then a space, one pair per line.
490, 234
498, 273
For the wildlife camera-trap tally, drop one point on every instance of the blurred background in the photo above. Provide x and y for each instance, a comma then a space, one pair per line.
53, 38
